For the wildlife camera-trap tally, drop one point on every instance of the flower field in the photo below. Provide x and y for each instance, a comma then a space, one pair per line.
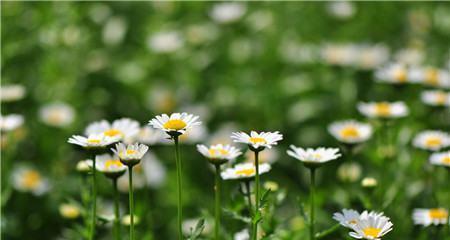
225, 120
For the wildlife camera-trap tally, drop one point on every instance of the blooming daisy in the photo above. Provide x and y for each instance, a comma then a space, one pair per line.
57, 114
432, 140
372, 227
10, 122
26, 179
426, 217
435, 98
110, 165
12, 92
175, 124
92, 141
350, 131
314, 157
394, 73
218, 154
244, 171
431, 76
383, 109
130, 154
440, 158
347, 218
257, 141
122, 129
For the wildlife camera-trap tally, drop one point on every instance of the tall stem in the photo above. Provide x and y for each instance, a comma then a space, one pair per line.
116, 211
180, 207
217, 207
255, 223
311, 223
94, 198
130, 189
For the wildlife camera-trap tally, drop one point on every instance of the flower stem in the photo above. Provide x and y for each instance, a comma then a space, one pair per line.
180, 207
94, 199
217, 207
116, 211
130, 189
311, 223
254, 222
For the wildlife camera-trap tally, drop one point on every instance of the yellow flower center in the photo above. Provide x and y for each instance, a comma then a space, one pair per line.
55, 117
246, 172
349, 132
446, 160
383, 109
441, 97
112, 132
371, 232
131, 151
93, 141
31, 179
431, 76
256, 140
176, 124
438, 214
112, 162
433, 142
215, 152
400, 75
69, 211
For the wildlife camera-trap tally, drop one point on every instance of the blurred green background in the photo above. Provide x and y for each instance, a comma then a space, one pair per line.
254, 65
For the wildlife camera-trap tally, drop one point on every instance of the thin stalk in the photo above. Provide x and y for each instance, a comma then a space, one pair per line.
311, 223
116, 211
180, 207
130, 189
255, 223
217, 207
94, 199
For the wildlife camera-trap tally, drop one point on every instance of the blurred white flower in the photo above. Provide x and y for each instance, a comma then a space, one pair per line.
430, 76
298, 53
339, 54
126, 220
151, 136
71, 35
10, 122
260, 20
432, 140
227, 12
244, 171
435, 98
154, 171
165, 42
395, 73
349, 172
244, 234
222, 134
11, 92
373, 56
369, 182
383, 109
350, 131
57, 114
188, 226
201, 33
341, 9
69, 210
193, 135
27, 179
99, 12
114, 30
123, 129
161, 99
84, 166
433, 216
410, 56
266, 156
440, 159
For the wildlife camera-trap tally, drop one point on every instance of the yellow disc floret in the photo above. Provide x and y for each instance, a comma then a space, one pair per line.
175, 124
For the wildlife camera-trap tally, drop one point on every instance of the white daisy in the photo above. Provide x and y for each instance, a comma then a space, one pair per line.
257, 141
57, 114
431, 76
349, 217
395, 73
176, 124
110, 165
10, 122
341, 9
372, 227
12, 92
130, 154
165, 41
350, 131
372, 56
84, 166
92, 141
227, 12
244, 171
69, 210
383, 109
432, 140
314, 157
27, 179
339, 54
219, 153
440, 158
123, 129
435, 98
426, 217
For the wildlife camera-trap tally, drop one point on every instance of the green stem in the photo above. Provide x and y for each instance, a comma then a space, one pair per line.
130, 189
180, 207
311, 223
328, 231
255, 223
94, 199
217, 207
116, 211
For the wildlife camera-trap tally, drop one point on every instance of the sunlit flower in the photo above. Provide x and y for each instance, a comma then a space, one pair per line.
10, 122
165, 42
122, 129
244, 171
12, 92
431, 76
426, 217
394, 73
341, 9
130, 154
176, 124
432, 140
57, 114
371, 227
349, 172
218, 154
69, 210
350, 131
26, 179
92, 141
84, 166
314, 157
440, 158
227, 12
257, 141
383, 109
435, 98
369, 182
110, 165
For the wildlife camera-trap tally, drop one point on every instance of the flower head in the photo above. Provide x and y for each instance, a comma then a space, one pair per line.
383, 109
440, 158
84, 166
244, 171
349, 217
227, 12
110, 165
371, 227
27, 179
432, 140
10, 122
122, 129
314, 157
257, 141
175, 124
426, 217
431, 76
12, 92
69, 211
57, 114
435, 98
93, 141
395, 73
219, 153
130, 154
350, 131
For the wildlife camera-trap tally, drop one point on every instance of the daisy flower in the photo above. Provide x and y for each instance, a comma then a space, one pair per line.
350, 131
369, 182
123, 129
12, 92
435, 98
84, 166
347, 218
219, 154
26, 179
109, 165
244, 171
175, 124
440, 158
314, 157
426, 217
431, 76
227, 12
383, 109
69, 211
130, 154
432, 140
92, 141
372, 227
394, 73
257, 141
10, 122
57, 114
